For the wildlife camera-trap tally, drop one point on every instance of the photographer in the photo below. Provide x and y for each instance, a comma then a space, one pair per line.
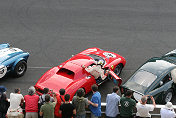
143, 108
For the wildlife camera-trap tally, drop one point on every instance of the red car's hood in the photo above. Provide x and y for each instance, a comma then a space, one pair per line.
56, 82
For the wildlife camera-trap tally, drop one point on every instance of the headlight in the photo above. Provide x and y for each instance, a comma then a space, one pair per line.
3, 70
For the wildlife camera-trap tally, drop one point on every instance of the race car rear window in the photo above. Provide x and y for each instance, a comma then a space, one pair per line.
144, 78
66, 73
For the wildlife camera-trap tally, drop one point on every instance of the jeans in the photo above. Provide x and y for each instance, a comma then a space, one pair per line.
110, 117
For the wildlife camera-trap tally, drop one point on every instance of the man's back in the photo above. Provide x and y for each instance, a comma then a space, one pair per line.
48, 109
143, 110
96, 98
15, 100
80, 103
67, 110
127, 106
112, 102
31, 103
167, 113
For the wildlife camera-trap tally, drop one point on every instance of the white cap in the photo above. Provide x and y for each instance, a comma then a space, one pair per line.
168, 105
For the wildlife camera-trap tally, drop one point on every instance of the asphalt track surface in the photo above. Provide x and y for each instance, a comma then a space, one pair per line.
53, 30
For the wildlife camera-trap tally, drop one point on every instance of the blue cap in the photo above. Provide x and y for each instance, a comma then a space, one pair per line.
2, 89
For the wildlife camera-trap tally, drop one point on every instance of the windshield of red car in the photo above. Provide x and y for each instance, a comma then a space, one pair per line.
66, 73
144, 78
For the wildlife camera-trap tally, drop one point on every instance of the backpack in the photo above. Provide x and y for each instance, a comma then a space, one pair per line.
41, 103
80, 104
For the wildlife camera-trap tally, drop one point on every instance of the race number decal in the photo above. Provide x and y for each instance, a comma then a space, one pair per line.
109, 55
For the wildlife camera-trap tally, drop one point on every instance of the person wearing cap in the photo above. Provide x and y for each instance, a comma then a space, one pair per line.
31, 103
96, 70
143, 108
168, 111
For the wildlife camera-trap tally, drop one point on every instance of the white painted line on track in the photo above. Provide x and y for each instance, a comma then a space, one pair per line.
39, 67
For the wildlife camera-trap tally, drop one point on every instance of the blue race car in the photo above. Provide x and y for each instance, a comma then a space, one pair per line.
12, 60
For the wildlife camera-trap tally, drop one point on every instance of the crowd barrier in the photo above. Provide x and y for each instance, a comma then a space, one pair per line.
155, 113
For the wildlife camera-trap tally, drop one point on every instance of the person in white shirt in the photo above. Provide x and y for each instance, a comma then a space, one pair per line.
143, 108
15, 111
167, 111
96, 70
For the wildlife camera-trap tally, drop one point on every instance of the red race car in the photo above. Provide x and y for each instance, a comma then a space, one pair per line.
71, 74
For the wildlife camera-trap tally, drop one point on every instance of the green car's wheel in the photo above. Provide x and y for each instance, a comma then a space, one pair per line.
168, 96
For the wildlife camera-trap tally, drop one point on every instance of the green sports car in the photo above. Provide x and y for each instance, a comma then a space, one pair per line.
156, 77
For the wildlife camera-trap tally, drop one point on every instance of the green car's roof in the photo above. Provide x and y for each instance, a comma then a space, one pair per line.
157, 66
149, 72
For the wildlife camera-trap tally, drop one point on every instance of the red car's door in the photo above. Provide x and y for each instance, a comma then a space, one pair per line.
115, 78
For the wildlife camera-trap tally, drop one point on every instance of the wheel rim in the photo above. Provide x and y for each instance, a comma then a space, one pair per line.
21, 69
168, 97
118, 69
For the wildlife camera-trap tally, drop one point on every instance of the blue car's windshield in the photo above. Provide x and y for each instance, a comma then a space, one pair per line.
144, 78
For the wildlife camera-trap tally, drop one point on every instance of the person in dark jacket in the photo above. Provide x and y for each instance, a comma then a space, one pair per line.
3, 102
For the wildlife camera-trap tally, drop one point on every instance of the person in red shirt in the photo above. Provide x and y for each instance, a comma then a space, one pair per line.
31, 103
60, 100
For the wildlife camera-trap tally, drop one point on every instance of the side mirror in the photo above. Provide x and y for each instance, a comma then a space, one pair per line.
161, 83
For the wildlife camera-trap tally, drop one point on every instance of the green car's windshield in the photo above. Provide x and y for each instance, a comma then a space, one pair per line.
144, 78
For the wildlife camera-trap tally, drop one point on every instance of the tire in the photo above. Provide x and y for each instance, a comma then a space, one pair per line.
118, 69
20, 68
168, 96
